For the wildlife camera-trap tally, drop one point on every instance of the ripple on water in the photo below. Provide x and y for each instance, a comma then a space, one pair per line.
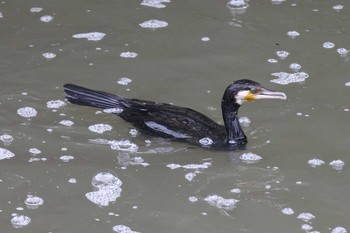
5, 154
123, 229
108, 187
153, 24
91, 36
20, 221
284, 78
27, 112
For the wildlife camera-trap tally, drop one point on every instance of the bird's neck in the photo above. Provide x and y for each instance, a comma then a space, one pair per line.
234, 131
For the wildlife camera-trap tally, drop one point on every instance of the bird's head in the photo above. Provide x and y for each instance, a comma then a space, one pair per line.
246, 90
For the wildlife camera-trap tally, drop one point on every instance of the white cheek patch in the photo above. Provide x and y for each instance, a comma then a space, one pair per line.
240, 96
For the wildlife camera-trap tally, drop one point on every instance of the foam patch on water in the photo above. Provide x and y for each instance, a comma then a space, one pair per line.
250, 157
235, 190
293, 34
220, 202
339, 230
190, 176
5, 154
193, 199
206, 141
287, 211
123, 229
338, 8
91, 36
272, 60
155, 3
204, 165
124, 145
342, 51
20, 221
49, 55
282, 54
33, 202
55, 104
347, 84
66, 122
237, 4
337, 164
245, 121
306, 217
34, 151
128, 54
153, 24
27, 112
36, 9
285, 78
46, 18
295, 66
124, 81
100, 128
328, 45
315, 162
108, 187
6, 139
66, 158
113, 110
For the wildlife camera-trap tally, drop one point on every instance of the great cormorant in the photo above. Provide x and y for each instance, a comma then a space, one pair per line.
185, 124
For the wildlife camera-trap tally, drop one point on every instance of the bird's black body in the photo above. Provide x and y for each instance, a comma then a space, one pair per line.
169, 121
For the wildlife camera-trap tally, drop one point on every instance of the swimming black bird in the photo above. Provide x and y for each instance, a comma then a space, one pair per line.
166, 120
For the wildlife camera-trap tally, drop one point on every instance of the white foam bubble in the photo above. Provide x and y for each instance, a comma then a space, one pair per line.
123, 229
34, 151
328, 45
100, 128
33, 202
124, 81
189, 176
173, 166
36, 9
20, 221
133, 132
206, 141
91, 36
5, 154
46, 18
235, 190
220, 202
342, 51
306, 216
337, 164
347, 84
306, 227
72, 181
287, 211
245, 121
66, 158
124, 145
108, 187
66, 122
282, 54
272, 60
205, 39
250, 157
55, 104
128, 54
237, 4
339, 229
315, 162
49, 55
153, 24
295, 66
6, 139
27, 112
155, 3
293, 34
338, 8
193, 199
113, 110
284, 78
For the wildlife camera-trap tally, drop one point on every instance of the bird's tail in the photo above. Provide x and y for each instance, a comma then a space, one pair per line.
99, 99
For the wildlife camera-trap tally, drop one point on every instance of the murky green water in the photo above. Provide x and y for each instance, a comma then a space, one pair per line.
60, 176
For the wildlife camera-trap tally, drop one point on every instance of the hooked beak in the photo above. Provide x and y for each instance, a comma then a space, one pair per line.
268, 94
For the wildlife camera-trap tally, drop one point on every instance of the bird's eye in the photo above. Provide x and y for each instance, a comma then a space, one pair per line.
253, 91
